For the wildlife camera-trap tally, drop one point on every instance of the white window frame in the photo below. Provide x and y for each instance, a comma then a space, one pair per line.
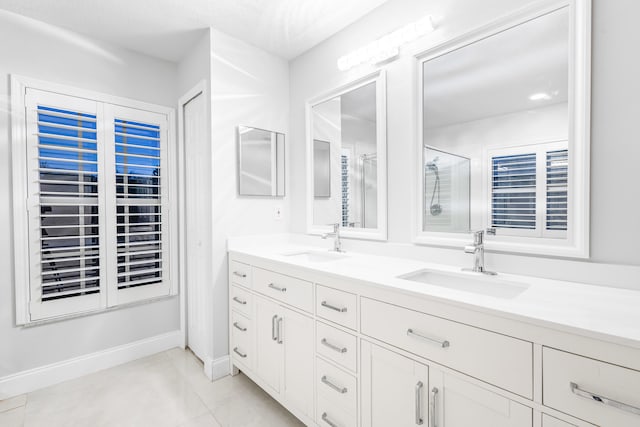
540, 232
576, 244
19, 146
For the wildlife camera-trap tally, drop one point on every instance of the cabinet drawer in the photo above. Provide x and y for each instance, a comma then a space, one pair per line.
587, 389
241, 339
337, 306
240, 273
497, 359
336, 386
296, 292
331, 415
241, 300
337, 345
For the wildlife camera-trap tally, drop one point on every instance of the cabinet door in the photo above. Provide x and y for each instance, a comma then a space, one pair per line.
548, 421
394, 389
269, 352
296, 332
456, 402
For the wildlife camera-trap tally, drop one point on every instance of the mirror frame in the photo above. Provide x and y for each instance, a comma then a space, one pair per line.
379, 233
576, 245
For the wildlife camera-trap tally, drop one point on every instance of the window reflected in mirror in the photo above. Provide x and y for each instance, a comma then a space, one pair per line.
496, 132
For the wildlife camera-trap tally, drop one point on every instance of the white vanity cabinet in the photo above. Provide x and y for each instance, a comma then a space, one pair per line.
340, 352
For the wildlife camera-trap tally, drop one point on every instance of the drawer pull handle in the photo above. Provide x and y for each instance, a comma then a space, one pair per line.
575, 389
239, 301
434, 407
236, 351
326, 419
341, 390
333, 347
238, 327
272, 286
333, 307
274, 337
443, 344
241, 275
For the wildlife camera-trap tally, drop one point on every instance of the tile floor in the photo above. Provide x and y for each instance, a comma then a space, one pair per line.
167, 389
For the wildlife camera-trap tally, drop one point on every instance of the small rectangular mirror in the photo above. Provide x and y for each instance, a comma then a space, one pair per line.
321, 168
261, 170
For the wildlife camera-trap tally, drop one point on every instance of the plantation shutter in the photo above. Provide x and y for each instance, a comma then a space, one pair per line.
66, 244
557, 189
513, 191
140, 203
529, 190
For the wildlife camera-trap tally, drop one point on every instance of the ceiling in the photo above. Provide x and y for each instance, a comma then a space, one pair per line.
498, 75
168, 28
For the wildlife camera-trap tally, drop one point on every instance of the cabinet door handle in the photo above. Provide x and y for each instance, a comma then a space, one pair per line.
418, 405
442, 344
273, 327
434, 407
279, 328
341, 390
272, 286
236, 351
326, 419
238, 327
575, 389
332, 346
239, 274
333, 307
239, 301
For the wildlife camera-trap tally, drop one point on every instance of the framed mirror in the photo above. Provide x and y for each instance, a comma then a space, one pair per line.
346, 162
261, 162
504, 134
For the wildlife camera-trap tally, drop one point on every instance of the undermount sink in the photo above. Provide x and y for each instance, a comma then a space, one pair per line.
317, 256
468, 282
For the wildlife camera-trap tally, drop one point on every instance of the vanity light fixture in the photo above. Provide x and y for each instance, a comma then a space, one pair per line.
386, 47
542, 96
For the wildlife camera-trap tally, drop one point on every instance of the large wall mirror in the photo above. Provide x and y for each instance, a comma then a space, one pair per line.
261, 159
504, 134
346, 146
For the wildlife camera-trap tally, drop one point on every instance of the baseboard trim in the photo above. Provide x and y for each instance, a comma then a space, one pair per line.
44, 376
218, 368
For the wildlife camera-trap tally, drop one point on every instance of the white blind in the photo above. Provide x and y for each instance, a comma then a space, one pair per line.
513, 191
557, 189
139, 203
68, 203
98, 208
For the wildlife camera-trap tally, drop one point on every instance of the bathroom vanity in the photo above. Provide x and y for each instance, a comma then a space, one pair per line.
345, 339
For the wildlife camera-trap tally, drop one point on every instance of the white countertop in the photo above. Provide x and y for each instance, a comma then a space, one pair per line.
599, 312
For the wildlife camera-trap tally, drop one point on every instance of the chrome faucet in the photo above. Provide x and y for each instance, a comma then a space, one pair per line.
477, 249
337, 244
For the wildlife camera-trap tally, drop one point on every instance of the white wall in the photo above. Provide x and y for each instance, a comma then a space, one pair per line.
249, 87
614, 223
38, 50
